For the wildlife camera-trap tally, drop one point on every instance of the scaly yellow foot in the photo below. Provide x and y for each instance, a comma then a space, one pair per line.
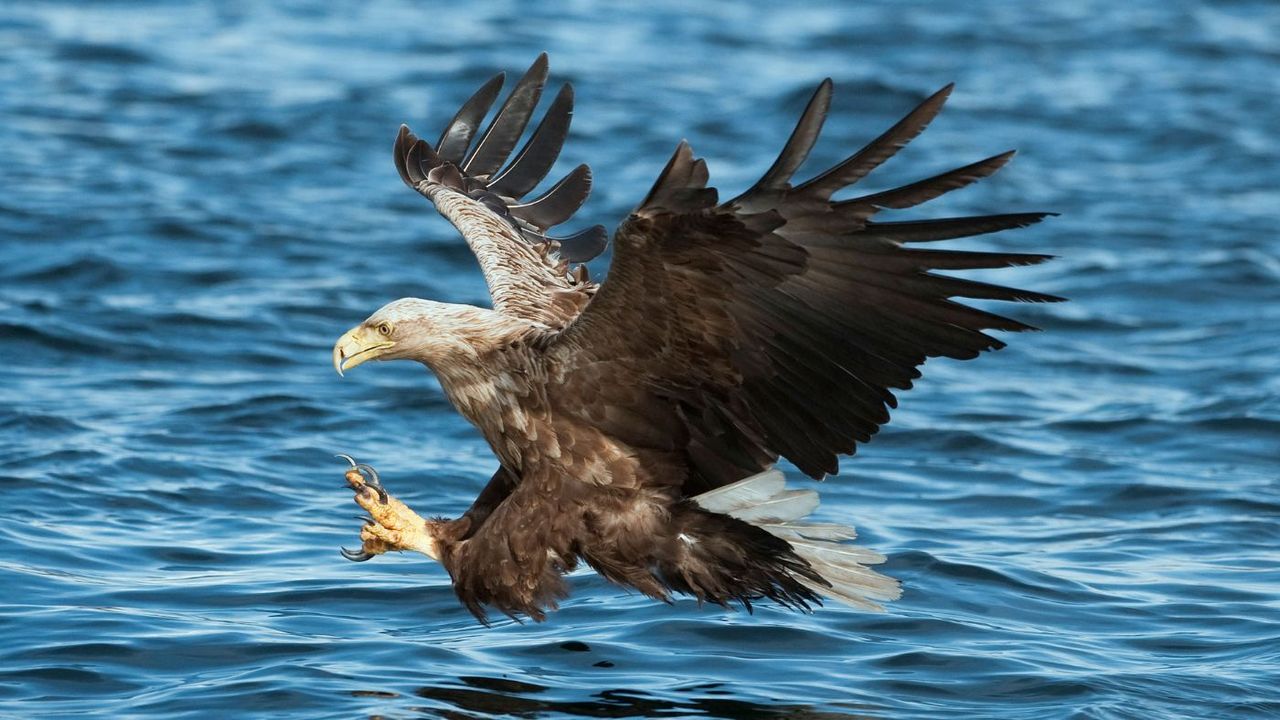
391, 524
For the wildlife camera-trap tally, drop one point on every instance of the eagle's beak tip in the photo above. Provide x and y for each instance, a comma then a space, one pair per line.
340, 355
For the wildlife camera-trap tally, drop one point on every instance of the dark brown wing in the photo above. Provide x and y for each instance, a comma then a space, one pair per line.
780, 323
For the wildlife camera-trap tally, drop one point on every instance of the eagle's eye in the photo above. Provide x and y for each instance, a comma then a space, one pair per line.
385, 329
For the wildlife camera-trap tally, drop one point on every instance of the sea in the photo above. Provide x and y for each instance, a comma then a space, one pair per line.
197, 198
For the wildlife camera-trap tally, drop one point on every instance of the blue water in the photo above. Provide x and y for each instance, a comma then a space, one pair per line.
198, 198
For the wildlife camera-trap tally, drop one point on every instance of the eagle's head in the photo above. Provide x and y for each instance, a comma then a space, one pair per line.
439, 335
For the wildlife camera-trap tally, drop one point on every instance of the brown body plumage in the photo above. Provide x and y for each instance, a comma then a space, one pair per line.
635, 422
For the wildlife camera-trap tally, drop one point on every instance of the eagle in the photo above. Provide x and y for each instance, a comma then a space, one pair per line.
638, 422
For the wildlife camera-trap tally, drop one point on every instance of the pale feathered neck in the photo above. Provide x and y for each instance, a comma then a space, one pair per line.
442, 335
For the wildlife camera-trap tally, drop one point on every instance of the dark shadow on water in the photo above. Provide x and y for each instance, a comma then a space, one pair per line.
483, 697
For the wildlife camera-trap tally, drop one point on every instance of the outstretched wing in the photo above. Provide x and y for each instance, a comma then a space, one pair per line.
478, 185
780, 322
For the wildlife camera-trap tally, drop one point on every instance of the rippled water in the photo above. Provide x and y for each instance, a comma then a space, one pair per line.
198, 198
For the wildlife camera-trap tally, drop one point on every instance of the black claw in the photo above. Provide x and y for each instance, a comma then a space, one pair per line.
355, 556
382, 494
370, 477
369, 474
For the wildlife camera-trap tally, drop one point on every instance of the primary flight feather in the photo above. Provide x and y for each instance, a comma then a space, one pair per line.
637, 421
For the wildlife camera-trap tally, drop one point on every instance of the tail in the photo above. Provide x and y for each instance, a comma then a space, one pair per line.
764, 501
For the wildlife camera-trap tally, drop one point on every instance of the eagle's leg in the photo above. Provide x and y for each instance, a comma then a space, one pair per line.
391, 524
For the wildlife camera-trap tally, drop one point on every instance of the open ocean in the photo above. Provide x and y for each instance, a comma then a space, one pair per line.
197, 198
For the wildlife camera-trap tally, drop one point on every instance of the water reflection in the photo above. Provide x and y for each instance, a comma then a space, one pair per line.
473, 697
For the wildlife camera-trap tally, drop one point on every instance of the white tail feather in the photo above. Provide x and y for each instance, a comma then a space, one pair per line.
786, 505
743, 493
814, 531
764, 500
837, 553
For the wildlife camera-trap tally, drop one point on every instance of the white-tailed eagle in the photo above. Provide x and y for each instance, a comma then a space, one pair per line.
637, 421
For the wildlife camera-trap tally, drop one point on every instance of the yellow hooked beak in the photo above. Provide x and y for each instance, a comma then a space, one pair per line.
356, 346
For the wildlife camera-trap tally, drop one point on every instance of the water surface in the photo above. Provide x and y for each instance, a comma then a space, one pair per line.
199, 197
